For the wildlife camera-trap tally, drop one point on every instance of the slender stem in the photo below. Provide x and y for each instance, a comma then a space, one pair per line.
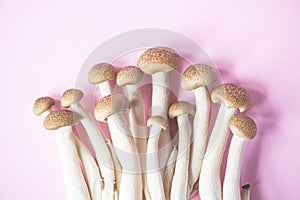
245, 193
169, 171
105, 88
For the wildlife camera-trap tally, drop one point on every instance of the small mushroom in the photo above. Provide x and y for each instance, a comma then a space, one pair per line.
154, 178
197, 77
100, 75
245, 193
231, 97
181, 110
62, 121
157, 62
243, 128
43, 106
169, 171
109, 109
72, 97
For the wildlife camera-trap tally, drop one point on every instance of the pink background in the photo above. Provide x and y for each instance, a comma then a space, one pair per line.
43, 45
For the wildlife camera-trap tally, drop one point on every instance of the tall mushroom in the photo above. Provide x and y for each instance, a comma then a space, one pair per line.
130, 77
154, 178
72, 98
157, 62
109, 109
197, 77
61, 121
243, 128
245, 193
181, 110
43, 105
100, 75
231, 97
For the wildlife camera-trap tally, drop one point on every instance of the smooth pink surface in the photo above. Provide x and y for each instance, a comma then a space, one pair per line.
43, 45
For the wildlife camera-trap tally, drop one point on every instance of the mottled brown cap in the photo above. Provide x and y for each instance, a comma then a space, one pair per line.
70, 97
101, 72
60, 118
110, 105
181, 108
158, 59
160, 121
243, 126
130, 75
198, 75
42, 104
232, 96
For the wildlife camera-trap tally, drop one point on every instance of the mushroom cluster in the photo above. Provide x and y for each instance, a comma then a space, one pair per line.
140, 160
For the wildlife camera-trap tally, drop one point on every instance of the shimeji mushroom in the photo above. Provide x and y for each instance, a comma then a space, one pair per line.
231, 97
181, 110
157, 62
109, 109
169, 171
43, 105
61, 121
245, 193
243, 128
154, 178
100, 75
130, 77
197, 77
72, 98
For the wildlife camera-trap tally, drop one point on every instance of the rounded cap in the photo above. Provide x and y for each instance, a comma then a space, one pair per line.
198, 75
158, 59
110, 105
130, 75
42, 104
243, 126
101, 72
232, 95
160, 121
70, 97
60, 118
180, 108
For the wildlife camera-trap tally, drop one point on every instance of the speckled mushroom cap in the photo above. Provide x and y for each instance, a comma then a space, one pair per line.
198, 75
243, 126
110, 105
101, 72
232, 95
158, 120
180, 108
60, 118
70, 97
130, 75
158, 59
42, 104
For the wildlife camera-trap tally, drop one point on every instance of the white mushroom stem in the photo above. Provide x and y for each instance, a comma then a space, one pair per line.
169, 171
154, 177
245, 193
118, 168
131, 186
180, 178
76, 187
92, 173
105, 88
231, 185
200, 130
209, 182
102, 152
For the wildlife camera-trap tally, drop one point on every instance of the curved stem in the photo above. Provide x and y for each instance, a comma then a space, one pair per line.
169, 171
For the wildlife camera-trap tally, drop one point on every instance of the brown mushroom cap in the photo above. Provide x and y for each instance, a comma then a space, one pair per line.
232, 95
42, 104
198, 75
130, 75
60, 118
158, 120
101, 72
158, 59
180, 108
70, 97
110, 105
243, 126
